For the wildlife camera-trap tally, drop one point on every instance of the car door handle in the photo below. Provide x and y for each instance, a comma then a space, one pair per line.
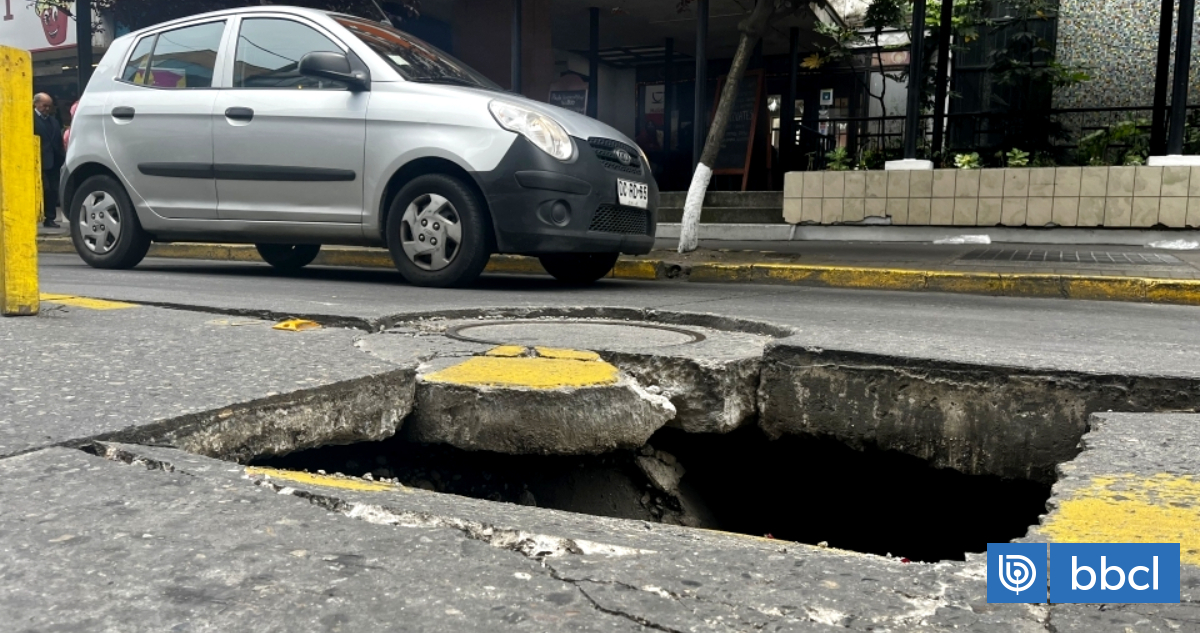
123, 112
239, 114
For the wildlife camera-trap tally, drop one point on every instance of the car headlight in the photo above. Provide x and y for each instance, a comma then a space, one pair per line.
540, 129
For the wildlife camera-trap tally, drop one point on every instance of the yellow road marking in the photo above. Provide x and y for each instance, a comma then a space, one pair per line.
506, 351
566, 354
86, 302
325, 481
528, 373
1129, 508
296, 325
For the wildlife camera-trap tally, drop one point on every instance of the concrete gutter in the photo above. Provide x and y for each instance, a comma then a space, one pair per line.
1062, 286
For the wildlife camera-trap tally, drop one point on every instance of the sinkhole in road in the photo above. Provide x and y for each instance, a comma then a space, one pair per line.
796, 488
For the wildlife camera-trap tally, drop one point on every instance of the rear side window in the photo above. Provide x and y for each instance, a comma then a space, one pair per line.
136, 68
183, 58
269, 51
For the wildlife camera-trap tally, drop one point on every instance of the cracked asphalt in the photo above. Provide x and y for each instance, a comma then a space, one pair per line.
137, 536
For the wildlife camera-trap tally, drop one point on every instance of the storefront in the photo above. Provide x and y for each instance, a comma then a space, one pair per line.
48, 33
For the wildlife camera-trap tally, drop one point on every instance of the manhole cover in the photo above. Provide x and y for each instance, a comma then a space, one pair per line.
612, 335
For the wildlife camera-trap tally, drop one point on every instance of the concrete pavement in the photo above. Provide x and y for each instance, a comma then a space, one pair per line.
143, 537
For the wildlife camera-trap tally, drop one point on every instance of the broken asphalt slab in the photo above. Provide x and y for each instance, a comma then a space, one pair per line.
157, 539
226, 387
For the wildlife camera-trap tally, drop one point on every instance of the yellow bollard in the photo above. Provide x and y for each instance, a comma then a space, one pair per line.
20, 204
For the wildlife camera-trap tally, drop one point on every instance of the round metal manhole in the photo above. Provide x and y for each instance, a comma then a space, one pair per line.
611, 335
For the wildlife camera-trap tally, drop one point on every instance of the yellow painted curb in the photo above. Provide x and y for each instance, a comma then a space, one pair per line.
1094, 287
567, 354
325, 481
86, 302
1128, 508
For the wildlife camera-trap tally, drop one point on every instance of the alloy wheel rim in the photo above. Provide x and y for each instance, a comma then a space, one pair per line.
431, 232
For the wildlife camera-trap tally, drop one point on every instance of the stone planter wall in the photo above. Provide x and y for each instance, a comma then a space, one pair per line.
1111, 197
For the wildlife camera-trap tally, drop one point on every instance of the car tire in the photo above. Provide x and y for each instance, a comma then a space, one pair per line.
288, 257
439, 232
101, 205
579, 268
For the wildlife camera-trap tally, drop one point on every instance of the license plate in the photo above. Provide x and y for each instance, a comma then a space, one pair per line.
633, 194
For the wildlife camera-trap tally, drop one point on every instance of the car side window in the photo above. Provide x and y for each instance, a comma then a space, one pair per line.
184, 58
135, 70
269, 51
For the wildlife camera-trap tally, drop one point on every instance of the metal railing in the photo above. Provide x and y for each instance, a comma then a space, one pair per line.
1056, 131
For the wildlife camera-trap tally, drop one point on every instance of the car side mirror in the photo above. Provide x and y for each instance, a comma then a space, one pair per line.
335, 67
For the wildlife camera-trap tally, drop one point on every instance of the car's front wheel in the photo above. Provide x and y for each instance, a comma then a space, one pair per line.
289, 257
438, 232
579, 268
104, 227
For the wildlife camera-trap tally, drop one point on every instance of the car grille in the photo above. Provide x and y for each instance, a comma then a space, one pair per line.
610, 218
606, 151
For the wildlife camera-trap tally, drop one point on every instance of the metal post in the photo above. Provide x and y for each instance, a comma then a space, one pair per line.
700, 124
943, 74
593, 101
516, 47
83, 39
668, 93
1162, 78
787, 126
916, 64
1183, 65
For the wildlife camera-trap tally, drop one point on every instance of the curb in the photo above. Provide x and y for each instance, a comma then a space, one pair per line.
1089, 287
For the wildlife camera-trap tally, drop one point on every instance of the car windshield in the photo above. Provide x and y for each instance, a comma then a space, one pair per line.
414, 59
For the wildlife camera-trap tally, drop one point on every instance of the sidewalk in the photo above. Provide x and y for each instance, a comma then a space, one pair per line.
1120, 273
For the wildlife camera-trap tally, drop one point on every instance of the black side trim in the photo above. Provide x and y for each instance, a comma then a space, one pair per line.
276, 173
551, 181
177, 170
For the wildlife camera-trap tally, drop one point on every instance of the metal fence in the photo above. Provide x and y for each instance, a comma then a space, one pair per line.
1056, 132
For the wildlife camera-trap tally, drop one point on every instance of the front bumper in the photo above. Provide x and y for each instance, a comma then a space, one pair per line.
541, 205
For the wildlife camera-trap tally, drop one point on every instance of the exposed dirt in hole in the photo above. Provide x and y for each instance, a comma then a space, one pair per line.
802, 489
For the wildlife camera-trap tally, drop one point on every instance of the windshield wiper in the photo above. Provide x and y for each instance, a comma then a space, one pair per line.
458, 81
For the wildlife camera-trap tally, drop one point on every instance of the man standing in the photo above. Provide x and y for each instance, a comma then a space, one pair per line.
48, 129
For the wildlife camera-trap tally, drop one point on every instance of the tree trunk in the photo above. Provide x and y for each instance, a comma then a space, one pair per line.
752, 30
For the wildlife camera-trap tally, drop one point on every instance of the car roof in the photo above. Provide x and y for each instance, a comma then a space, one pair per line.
272, 8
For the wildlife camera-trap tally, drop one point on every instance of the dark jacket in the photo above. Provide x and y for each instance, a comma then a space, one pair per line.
50, 131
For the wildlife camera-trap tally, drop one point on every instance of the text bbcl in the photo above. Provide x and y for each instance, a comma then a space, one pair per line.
1114, 573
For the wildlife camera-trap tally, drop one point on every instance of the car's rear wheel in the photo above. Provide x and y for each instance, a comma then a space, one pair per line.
579, 268
438, 232
104, 226
288, 257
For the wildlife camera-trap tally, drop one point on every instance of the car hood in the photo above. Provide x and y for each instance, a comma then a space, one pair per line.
577, 125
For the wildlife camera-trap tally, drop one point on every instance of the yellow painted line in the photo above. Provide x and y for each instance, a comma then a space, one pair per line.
325, 481
527, 373
296, 325
566, 354
1127, 508
86, 302
506, 351
20, 182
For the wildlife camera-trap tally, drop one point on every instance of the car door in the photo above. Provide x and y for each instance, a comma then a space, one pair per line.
158, 121
287, 148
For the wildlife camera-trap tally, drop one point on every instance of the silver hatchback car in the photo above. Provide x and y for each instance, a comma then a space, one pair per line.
290, 128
